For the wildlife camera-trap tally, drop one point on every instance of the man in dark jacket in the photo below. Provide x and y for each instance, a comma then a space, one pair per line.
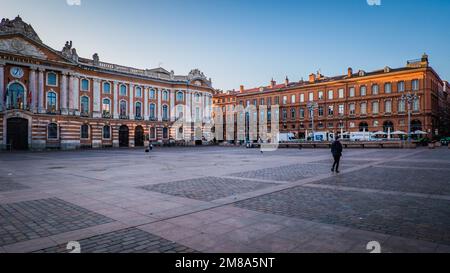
336, 151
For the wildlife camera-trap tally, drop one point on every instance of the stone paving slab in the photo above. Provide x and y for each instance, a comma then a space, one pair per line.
6, 184
130, 240
288, 173
410, 217
392, 179
207, 188
41, 218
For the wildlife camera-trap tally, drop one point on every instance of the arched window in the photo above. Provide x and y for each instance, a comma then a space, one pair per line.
84, 105
416, 125
84, 131
106, 106
106, 87
123, 90
152, 133
165, 132
138, 92
16, 96
152, 94
165, 112
138, 109
106, 132
52, 79
84, 85
51, 102
180, 96
363, 126
52, 131
165, 95
388, 125
152, 111
123, 108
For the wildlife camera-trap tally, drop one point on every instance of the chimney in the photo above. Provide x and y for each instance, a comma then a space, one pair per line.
312, 78
286, 81
349, 72
241, 89
272, 83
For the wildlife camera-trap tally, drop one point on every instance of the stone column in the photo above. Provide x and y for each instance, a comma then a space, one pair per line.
172, 105
63, 95
41, 108
159, 105
2, 85
33, 90
146, 90
76, 94
116, 100
97, 105
131, 101
71, 94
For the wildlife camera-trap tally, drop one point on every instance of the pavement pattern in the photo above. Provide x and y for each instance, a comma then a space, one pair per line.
225, 199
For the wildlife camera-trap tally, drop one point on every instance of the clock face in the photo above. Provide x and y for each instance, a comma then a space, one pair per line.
17, 72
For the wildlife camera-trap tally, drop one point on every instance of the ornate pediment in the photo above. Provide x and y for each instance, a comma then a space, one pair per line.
18, 26
21, 47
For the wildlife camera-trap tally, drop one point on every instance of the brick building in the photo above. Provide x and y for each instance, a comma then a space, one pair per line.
356, 101
52, 98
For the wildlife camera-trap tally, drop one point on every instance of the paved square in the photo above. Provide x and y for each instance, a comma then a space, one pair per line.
411, 217
225, 199
288, 173
395, 179
130, 240
7, 185
41, 218
207, 188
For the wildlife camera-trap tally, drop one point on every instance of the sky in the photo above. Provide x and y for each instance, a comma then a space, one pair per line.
246, 42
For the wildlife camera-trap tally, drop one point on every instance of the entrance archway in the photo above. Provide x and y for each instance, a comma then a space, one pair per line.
139, 136
17, 133
123, 136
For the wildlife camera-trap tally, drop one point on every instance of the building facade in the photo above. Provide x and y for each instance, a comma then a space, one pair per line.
357, 101
56, 99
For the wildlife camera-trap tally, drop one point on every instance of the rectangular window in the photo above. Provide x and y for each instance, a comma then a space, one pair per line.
341, 93
401, 106
363, 108
292, 98
375, 108
320, 95
401, 86
320, 110
415, 85
341, 109
255, 102
284, 99
311, 96
351, 91
330, 110
261, 102
388, 106
302, 97
351, 108
302, 112
84, 85
375, 89
330, 94
416, 105
387, 88
363, 90
269, 101
277, 100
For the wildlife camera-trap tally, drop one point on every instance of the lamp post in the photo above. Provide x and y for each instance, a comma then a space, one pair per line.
409, 98
311, 106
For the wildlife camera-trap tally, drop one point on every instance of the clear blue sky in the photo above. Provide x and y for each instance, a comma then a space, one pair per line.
246, 41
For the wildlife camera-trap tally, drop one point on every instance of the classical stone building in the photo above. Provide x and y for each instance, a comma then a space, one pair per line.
356, 101
57, 99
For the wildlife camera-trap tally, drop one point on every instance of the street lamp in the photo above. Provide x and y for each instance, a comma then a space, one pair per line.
311, 106
409, 98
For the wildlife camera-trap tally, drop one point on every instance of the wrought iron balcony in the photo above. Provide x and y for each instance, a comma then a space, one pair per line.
124, 117
106, 114
139, 118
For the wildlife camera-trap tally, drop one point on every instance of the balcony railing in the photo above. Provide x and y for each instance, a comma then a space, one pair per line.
153, 119
124, 117
139, 118
85, 114
106, 115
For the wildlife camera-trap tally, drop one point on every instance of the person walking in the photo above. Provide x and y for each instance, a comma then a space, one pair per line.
336, 151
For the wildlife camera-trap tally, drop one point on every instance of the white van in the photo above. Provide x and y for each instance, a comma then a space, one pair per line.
323, 136
361, 136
